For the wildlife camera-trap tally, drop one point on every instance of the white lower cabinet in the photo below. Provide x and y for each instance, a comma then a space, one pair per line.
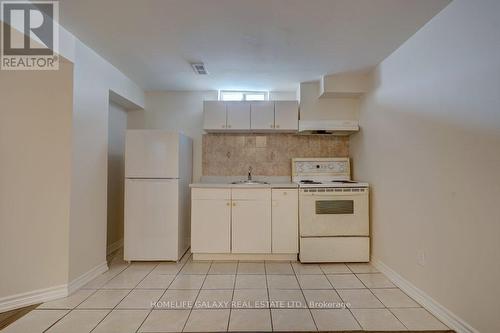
285, 231
251, 221
244, 221
211, 220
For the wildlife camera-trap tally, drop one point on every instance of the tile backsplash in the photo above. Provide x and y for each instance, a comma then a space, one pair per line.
268, 154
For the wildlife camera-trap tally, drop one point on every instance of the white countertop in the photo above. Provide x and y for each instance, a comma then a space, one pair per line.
225, 182
228, 185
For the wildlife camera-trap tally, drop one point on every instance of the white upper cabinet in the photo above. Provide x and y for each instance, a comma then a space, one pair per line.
258, 116
238, 115
214, 115
286, 115
262, 115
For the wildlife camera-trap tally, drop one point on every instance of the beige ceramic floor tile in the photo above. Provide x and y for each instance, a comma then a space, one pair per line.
335, 268
35, 321
321, 299
207, 321
141, 299
79, 321
395, 298
359, 298
377, 320
219, 282
303, 269
253, 320
292, 320
70, 302
170, 268
418, 319
156, 281
362, 268
335, 320
223, 268
286, 299
250, 298
214, 299
187, 282
284, 268
165, 321
314, 282
282, 282
375, 280
251, 268
345, 281
142, 266
177, 299
104, 299
104, 278
193, 267
250, 281
126, 280
122, 321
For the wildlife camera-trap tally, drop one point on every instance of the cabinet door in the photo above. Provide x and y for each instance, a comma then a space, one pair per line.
286, 115
262, 115
211, 221
238, 115
285, 221
214, 115
251, 226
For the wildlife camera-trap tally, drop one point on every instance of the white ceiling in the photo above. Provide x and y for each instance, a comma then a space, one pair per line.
245, 44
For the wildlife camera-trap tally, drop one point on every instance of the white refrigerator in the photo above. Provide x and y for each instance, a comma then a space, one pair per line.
158, 170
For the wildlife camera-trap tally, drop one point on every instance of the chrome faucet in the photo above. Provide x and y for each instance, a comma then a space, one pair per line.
249, 173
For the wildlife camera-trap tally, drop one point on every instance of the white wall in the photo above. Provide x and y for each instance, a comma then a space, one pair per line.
176, 111
117, 125
35, 166
94, 77
430, 147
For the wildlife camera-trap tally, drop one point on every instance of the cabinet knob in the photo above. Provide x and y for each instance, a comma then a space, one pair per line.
285, 193
277, 126
228, 126
234, 204
272, 126
223, 126
228, 203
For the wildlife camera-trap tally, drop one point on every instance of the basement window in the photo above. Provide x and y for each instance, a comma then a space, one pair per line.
232, 95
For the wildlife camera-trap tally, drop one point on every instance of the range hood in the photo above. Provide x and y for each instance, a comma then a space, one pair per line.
328, 127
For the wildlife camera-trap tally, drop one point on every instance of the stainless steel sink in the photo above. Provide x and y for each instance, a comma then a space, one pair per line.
250, 182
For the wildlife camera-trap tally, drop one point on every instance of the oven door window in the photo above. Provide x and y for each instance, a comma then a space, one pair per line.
334, 207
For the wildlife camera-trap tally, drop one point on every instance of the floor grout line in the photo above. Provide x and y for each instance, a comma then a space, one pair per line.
197, 295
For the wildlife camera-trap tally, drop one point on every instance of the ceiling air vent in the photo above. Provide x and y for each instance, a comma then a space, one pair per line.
199, 68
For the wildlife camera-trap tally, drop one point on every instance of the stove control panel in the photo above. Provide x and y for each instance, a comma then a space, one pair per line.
336, 168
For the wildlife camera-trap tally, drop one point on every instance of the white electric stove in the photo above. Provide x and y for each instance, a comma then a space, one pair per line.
333, 211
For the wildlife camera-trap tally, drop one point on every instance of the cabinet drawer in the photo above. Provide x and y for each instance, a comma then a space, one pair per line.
211, 193
279, 194
251, 194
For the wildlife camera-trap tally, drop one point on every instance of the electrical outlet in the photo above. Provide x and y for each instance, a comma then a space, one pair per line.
421, 258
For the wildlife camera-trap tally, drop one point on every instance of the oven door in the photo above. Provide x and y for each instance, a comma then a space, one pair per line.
334, 212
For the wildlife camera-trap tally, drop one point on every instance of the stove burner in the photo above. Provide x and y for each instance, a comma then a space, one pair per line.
344, 181
308, 181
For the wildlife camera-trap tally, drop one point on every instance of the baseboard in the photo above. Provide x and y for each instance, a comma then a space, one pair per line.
49, 294
87, 277
114, 246
32, 297
446, 316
